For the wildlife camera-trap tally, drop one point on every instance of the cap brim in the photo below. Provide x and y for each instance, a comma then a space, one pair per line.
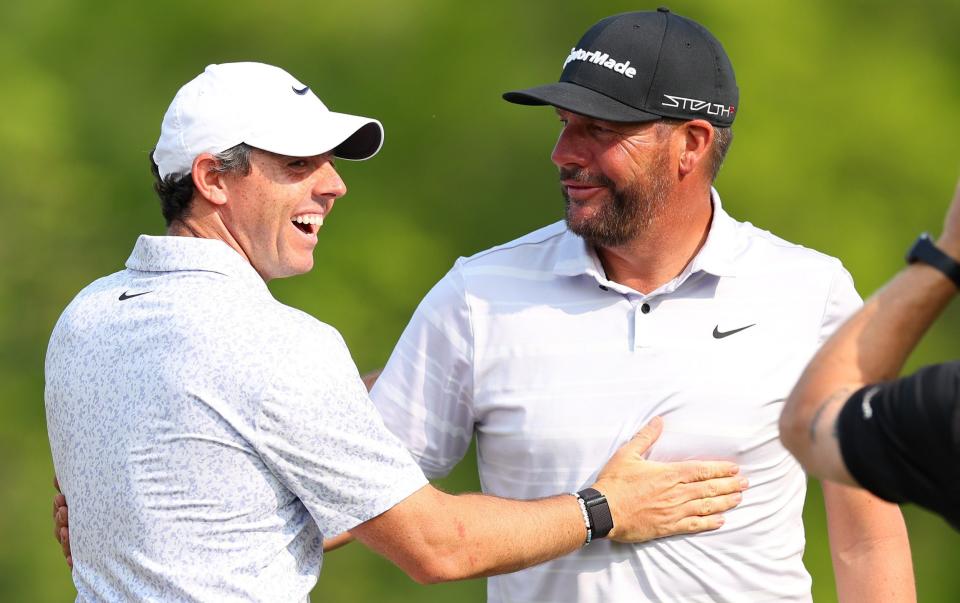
576, 98
348, 136
363, 143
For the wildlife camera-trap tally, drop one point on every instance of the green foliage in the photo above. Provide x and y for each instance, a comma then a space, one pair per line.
843, 143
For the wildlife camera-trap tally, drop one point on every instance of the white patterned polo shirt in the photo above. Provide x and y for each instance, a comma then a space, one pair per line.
207, 436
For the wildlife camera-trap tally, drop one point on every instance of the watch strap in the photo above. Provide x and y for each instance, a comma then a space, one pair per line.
598, 512
923, 250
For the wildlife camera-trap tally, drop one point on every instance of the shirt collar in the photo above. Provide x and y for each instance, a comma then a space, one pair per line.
575, 257
172, 254
721, 247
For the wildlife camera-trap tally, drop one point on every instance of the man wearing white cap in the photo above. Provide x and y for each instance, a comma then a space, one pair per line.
209, 437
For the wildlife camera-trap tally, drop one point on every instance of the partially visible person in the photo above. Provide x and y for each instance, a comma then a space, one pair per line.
208, 437
850, 419
648, 299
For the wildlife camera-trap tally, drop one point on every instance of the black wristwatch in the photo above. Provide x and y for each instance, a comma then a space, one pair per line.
598, 512
925, 251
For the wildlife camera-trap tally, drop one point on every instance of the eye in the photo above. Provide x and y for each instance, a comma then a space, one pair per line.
297, 163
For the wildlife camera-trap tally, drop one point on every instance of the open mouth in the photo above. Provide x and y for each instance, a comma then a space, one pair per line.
308, 224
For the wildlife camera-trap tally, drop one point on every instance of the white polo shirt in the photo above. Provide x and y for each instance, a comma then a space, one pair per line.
553, 366
207, 436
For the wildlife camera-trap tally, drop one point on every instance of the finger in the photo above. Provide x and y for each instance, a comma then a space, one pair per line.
70, 561
65, 541
712, 505
62, 517
716, 487
59, 500
698, 523
698, 471
644, 439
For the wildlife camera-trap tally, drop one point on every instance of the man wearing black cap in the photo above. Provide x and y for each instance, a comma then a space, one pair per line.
648, 300
850, 419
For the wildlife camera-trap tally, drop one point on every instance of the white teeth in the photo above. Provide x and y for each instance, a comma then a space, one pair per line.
310, 219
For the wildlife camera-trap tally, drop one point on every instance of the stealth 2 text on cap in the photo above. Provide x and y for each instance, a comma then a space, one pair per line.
643, 66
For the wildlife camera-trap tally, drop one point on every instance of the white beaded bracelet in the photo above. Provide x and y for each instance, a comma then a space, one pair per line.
586, 517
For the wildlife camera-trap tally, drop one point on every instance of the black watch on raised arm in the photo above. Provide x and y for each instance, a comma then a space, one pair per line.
923, 250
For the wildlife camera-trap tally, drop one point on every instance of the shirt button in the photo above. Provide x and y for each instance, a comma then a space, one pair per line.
645, 308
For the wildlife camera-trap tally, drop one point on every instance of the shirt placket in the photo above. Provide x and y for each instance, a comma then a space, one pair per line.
641, 322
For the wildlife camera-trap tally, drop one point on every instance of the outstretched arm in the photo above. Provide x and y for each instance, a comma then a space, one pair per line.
435, 537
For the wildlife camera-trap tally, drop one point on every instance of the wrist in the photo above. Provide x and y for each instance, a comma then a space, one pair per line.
926, 252
598, 520
949, 246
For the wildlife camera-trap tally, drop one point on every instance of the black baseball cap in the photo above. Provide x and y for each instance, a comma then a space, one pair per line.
643, 66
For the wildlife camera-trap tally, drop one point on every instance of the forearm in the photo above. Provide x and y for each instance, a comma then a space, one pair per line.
440, 537
495, 535
435, 537
868, 546
874, 344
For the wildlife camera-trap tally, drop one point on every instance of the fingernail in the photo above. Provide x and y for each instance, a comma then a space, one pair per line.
721, 521
744, 482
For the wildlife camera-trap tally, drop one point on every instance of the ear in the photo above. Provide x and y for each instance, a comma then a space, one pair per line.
696, 145
210, 184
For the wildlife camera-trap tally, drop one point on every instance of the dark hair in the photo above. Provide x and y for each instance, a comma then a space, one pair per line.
176, 190
722, 139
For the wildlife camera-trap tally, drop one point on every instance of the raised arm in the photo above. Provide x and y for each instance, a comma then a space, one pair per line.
870, 347
868, 539
435, 537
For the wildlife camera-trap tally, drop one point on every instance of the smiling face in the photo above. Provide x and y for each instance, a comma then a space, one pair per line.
614, 176
274, 213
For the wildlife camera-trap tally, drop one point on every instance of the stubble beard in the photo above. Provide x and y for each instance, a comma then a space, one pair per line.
626, 213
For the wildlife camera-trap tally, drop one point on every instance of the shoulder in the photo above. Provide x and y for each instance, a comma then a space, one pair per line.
529, 250
269, 320
760, 251
92, 302
773, 268
775, 248
522, 262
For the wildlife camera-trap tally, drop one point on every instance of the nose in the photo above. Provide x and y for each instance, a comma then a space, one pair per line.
570, 150
329, 184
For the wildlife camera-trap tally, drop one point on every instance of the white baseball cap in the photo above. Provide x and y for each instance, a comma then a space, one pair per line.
262, 106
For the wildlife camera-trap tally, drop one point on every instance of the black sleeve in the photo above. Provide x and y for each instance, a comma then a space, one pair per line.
901, 440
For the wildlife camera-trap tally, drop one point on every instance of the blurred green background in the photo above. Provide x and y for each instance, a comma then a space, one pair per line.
846, 141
